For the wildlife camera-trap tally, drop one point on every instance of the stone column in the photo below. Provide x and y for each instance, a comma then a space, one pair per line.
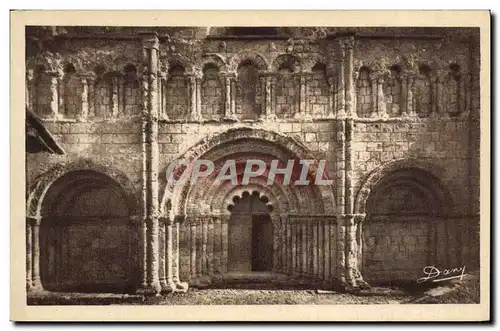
162, 253
91, 96
210, 246
224, 225
289, 240
29, 248
461, 95
293, 230
442, 110
410, 92
302, 113
341, 82
193, 80
349, 72
381, 105
314, 246
84, 112
404, 95
374, 110
326, 249
331, 98
115, 110
30, 90
35, 258
62, 79
193, 236
217, 245
267, 99
276, 239
227, 83
434, 101
54, 95
179, 285
150, 125
199, 81
199, 248
305, 240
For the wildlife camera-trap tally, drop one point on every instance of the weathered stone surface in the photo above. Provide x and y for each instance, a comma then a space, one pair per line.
368, 110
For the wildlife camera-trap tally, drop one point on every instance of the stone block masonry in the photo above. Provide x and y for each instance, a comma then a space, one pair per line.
394, 119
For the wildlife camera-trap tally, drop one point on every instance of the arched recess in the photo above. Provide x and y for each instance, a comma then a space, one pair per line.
407, 225
176, 97
364, 93
212, 93
392, 91
87, 240
248, 91
423, 87
72, 92
132, 93
286, 92
319, 91
453, 91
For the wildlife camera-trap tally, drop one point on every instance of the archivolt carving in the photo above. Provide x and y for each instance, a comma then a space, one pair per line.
44, 182
253, 57
408, 163
288, 60
215, 59
288, 144
170, 61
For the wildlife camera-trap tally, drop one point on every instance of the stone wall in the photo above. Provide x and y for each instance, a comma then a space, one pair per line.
367, 103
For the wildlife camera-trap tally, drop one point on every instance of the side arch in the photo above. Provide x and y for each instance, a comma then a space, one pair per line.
45, 181
402, 164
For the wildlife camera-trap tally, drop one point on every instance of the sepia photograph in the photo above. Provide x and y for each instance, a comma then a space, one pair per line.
252, 165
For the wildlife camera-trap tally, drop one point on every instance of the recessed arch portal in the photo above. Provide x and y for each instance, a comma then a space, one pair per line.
255, 142
86, 237
406, 223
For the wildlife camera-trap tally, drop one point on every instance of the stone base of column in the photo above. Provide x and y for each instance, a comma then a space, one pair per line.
181, 287
303, 117
230, 118
167, 287
34, 287
270, 117
150, 289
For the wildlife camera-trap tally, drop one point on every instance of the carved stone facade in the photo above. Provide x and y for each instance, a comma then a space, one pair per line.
393, 112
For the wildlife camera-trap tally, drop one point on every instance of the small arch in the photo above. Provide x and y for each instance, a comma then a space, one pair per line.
42, 184
392, 91
72, 92
319, 91
248, 56
422, 167
131, 92
212, 93
216, 60
176, 95
364, 93
248, 90
286, 61
423, 89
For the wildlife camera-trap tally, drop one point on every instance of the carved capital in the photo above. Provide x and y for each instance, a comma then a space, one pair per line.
150, 40
32, 221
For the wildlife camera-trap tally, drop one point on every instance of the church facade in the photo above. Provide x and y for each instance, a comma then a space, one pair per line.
392, 113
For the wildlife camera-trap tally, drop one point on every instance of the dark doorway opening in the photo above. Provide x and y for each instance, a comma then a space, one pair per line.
262, 243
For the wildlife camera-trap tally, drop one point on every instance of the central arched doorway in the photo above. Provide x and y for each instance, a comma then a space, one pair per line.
250, 234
